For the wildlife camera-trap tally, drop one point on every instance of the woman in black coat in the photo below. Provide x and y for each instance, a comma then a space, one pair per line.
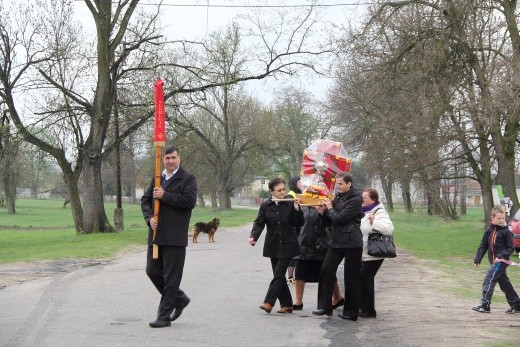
313, 242
281, 244
346, 241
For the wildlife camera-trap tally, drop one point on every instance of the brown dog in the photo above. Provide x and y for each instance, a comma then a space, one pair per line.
208, 228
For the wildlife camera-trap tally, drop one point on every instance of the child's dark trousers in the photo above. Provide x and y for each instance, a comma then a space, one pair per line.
497, 273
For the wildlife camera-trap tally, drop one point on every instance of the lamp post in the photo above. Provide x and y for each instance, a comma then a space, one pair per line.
463, 187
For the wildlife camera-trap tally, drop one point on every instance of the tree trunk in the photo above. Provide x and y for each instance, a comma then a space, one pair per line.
224, 200
407, 198
436, 204
9, 168
430, 206
34, 191
449, 207
119, 220
201, 199
9, 182
223, 193
512, 124
133, 196
486, 187
94, 216
118, 211
134, 175
463, 208
387, 189
214, 202
506, 176
71, 185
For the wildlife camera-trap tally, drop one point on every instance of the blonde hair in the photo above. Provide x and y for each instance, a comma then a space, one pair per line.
497, 209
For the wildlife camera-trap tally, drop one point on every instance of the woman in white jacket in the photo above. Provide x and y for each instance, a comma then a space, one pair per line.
376, 218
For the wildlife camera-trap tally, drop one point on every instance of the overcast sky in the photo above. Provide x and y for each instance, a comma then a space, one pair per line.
194, 19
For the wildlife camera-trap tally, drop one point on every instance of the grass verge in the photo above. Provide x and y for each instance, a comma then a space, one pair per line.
43, 230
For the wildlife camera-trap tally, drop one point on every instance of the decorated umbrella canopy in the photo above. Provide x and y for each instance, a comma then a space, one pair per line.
322, 160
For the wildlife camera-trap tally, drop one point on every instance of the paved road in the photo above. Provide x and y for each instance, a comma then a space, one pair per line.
111, 304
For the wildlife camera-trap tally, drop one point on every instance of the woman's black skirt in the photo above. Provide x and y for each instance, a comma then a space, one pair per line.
307, 270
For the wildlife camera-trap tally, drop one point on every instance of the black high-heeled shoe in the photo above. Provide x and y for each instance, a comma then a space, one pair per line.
352, 318
297, 307
366, 314
338, 304
322, 312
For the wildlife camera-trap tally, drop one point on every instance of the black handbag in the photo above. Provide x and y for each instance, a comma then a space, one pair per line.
380, 245
322, 244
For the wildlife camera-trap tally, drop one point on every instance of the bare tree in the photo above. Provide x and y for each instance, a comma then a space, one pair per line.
225, 119
300, 119
453, 67
484, 38
80, 86
229, 123
51, 46
9, 162
389, 109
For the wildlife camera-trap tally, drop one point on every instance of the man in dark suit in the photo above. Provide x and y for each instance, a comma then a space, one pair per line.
177, 195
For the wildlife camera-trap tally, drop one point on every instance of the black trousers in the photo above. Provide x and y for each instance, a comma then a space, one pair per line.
166, 275
352, 267
366, 285
278, 288
497, 273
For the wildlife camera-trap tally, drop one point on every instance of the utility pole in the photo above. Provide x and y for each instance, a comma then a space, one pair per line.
118, 211
463, 186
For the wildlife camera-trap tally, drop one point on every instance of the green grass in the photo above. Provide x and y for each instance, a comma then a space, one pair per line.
448, 248
37, 214
431, 237
43, 230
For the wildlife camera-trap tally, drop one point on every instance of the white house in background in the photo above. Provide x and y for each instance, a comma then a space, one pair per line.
259, 183
250, 195
474, 194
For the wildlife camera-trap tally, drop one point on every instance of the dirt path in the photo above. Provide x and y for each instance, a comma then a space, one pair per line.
15, 273
423, 314
413, 310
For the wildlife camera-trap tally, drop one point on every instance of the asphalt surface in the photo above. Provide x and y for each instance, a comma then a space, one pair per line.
111, 304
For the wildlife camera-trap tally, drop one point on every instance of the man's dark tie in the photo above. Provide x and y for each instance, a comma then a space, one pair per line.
164, 182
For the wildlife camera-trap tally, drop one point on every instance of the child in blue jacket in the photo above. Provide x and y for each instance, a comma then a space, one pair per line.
498, 243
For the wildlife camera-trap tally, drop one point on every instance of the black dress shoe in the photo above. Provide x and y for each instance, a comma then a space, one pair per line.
322, 312
297, 307
366, 314
353, 318
159, 323
178, 310
338, 304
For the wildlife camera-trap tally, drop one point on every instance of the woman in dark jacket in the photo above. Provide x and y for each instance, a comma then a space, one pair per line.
295, 186
346, 241
281, 244
313, 246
